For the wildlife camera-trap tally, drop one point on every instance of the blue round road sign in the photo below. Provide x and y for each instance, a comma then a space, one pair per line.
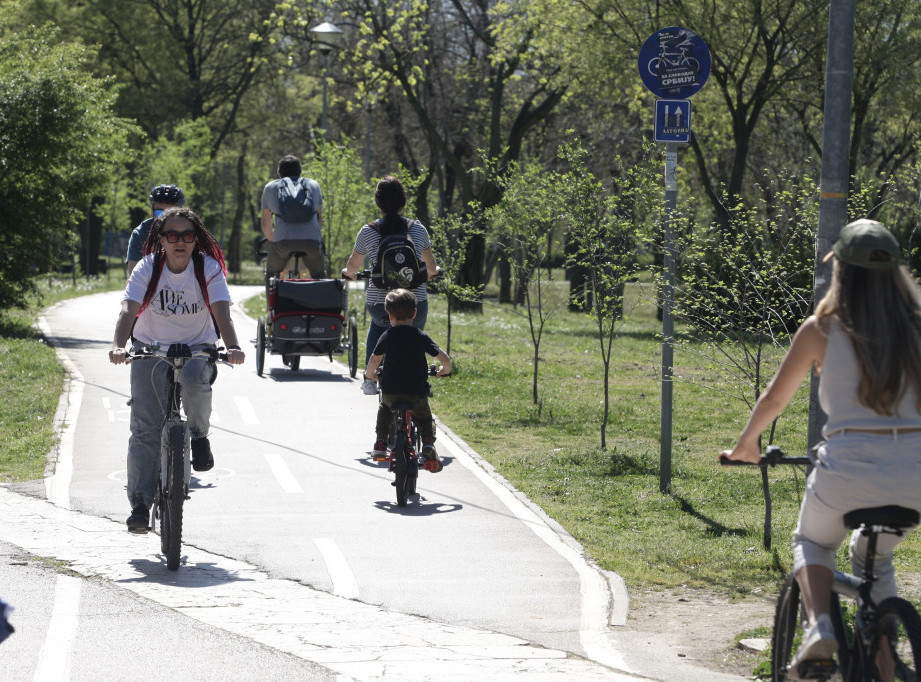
674, 63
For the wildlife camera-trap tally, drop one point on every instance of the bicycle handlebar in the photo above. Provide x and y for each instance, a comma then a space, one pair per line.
772, 456
213, 355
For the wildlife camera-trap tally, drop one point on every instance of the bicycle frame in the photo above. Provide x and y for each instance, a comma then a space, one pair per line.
857, 657
175, 461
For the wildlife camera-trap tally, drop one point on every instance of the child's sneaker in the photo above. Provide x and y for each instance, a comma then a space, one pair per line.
379, 451
431, 463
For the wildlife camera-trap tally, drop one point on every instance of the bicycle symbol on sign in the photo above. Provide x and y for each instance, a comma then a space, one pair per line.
673, 61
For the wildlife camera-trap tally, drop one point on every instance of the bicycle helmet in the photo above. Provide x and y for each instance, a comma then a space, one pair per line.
167, 194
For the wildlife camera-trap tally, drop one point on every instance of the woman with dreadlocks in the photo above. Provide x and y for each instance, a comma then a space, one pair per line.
176, 294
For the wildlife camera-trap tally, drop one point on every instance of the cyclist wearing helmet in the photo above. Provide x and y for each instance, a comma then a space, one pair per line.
162, 197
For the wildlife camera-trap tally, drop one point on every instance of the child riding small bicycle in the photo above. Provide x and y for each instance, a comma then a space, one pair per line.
404, 376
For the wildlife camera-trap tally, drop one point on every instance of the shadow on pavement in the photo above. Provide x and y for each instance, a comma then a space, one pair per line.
188, 575
281, 374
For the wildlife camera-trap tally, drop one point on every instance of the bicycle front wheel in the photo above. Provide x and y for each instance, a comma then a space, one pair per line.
175, 494
895, 650
788, 628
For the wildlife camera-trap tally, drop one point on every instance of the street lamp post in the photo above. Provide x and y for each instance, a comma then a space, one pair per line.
327, 36
368, 141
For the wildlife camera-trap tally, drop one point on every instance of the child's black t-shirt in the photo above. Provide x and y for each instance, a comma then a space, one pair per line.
405, 367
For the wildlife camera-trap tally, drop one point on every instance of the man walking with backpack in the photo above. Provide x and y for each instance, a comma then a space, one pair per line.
296, 204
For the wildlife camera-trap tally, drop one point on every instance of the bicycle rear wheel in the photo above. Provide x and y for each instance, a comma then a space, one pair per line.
899, 633
788, 628
401, 468
175, 495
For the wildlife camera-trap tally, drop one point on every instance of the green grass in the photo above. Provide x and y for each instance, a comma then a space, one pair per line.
705, 533
29, 370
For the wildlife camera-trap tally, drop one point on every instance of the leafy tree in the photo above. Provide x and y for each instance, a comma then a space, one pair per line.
522, 225
605, 229
450, 238
59, 142
461, 89
747, 291
180, 59
348, 201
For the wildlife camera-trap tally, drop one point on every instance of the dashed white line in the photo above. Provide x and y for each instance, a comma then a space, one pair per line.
282, 473
54, 660
246, 410
344, 584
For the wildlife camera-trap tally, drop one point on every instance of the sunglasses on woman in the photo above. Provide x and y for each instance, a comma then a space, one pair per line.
172, 236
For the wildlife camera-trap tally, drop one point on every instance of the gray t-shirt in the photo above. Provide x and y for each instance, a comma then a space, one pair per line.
283, 230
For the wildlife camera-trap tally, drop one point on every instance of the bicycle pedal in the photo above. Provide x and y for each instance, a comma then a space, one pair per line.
818, 669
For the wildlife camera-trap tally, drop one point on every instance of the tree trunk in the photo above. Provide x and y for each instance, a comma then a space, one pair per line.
505, 280
235, 244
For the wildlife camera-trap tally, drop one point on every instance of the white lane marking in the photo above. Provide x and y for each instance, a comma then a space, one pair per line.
246, 410
107, 406
57, 486
54, 660
282, 473
594, 589
344, 584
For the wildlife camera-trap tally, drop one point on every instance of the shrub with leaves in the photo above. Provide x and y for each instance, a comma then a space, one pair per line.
59, 141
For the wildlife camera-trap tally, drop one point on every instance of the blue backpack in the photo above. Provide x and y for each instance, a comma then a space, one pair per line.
295, 201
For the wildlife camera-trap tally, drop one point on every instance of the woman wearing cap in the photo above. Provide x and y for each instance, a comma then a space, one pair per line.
864, 341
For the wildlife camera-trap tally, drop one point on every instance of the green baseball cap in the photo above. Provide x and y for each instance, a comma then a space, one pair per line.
867, 244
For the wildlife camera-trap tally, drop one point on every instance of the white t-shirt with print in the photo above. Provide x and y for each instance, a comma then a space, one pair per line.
177, 312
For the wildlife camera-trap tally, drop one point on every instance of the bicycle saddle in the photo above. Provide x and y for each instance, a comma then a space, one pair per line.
891, 516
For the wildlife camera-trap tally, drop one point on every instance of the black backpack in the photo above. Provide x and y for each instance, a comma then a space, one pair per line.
295, 201
396, 265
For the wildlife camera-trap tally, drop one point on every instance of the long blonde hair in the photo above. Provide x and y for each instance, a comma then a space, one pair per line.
880, 311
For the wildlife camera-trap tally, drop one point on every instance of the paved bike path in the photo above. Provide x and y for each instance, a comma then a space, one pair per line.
351, 637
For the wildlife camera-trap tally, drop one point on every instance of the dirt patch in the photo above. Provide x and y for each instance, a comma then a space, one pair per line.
693, 629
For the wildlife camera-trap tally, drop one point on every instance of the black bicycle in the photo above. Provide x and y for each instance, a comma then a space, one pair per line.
405, 458
884, 642
175, 449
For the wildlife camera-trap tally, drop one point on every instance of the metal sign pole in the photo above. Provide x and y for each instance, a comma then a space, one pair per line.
674, 62
836, 141
668, 320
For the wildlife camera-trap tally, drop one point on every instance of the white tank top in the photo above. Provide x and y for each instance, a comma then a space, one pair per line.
838, 391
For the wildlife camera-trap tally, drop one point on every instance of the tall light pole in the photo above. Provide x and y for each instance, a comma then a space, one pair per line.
368, 141
836, 142
327, 37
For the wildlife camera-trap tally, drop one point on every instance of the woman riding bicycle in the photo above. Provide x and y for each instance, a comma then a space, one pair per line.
390, 198
865, 343
176, 294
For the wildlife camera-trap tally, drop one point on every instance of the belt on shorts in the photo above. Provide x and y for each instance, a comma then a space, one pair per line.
893, 432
